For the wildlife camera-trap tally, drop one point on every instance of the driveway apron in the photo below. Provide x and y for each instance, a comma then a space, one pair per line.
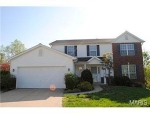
32, 98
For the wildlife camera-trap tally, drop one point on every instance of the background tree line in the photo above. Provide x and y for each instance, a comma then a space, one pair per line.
14, 48
146, 64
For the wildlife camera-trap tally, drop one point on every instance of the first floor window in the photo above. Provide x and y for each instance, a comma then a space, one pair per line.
70, 50
129, 70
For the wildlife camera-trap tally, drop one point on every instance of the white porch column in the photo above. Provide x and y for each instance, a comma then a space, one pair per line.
84, 66
104, 80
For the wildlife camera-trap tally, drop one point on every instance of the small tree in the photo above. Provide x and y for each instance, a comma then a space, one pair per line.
146, 58
146, 64
108, 64
2, 55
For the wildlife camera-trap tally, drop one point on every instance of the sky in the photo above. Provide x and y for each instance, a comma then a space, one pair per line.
102, 19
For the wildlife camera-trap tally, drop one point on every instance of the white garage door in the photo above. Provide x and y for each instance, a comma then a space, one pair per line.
40, 77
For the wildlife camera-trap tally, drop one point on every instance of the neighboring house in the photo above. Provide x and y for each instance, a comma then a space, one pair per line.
42, 66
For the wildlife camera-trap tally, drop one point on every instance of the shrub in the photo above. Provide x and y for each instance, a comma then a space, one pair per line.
126, 81
5, 66
148, 84
137, 84
122, 81
7, 81
147, 78
72, 91
118, 80
85, 86
71, 81
112, 81
86, 75
4, 72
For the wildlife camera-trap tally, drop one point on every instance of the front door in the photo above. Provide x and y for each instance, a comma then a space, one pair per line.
95, 73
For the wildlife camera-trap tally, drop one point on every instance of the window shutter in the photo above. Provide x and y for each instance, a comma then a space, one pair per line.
119, 49
102, 79
135, 48
87, 50
66, 49
75, 49
97, 50
120, 70
137, 71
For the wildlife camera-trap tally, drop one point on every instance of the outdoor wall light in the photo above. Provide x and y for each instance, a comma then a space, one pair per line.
13, 70
80, 68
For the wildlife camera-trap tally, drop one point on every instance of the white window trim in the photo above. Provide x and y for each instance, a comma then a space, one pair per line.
127, 50
73, 49
92, 50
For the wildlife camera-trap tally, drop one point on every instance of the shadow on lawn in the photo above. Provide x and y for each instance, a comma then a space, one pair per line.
120, 94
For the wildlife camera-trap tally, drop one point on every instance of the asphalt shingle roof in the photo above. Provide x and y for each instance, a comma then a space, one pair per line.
85, 59
81, 41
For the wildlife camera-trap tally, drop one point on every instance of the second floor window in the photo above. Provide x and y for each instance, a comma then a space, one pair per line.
93, 50
70, 50
127, 49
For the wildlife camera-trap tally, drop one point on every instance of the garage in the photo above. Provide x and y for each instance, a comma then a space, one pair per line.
40, 77
41, 67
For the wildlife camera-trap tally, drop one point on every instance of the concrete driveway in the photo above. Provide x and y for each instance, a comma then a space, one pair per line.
32, 98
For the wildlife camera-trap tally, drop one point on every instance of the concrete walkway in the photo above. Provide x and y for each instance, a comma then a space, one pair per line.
97, 88
32, 98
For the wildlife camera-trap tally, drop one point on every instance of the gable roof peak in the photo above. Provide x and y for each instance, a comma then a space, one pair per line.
127, 32
41, 45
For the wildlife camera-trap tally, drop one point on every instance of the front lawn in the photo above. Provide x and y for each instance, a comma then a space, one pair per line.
110, 96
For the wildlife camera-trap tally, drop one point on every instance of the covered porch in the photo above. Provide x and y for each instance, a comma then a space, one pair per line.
95, 66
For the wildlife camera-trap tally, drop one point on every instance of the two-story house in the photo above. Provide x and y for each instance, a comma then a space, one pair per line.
42, 66
88, 53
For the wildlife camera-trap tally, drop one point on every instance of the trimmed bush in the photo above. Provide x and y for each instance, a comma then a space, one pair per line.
7, 81
72, 91
112, 81
137, 84
71, 81
85, 86
126, 81
122, 81
86, 75
4, 72
118, 80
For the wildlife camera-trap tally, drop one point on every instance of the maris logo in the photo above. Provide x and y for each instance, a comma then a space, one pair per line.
138, 102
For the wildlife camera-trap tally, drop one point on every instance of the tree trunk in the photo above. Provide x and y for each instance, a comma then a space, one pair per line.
109, 79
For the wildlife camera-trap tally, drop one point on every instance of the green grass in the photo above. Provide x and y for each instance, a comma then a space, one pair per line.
110, 96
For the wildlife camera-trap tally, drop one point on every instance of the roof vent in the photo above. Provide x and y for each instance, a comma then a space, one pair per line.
126, 37
40, 52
